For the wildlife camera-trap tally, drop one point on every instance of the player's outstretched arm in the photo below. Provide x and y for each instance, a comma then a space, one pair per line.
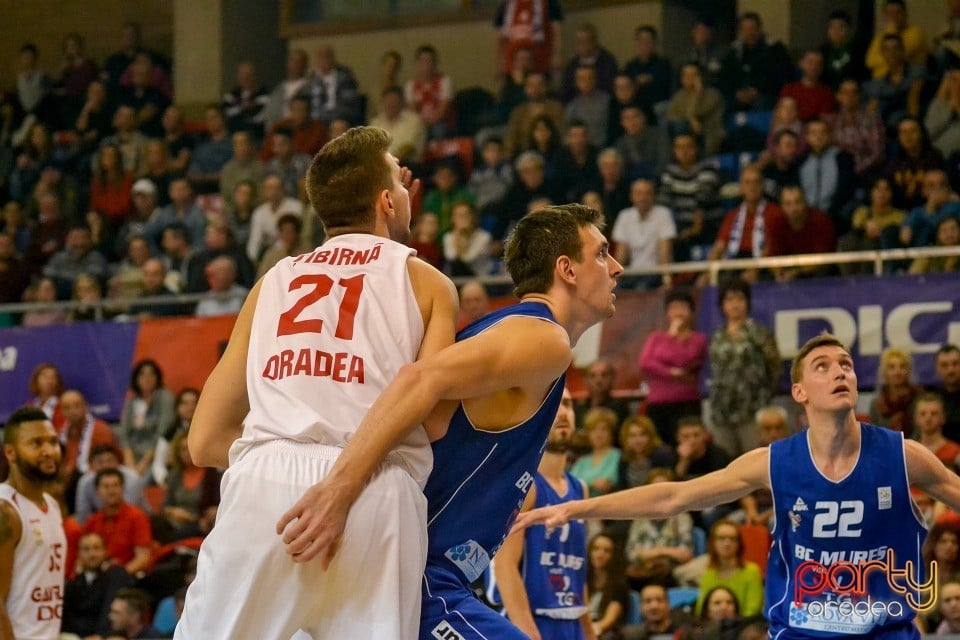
223, 404
928, 473
509, 581
518, 352
10, 531
661, 500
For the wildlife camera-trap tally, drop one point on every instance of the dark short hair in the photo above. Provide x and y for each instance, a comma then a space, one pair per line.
289, 218
29, 47
750, 15
18, 418
136, 600
178, 229
840, 14
947, 348
425, 48
927, 396
784, 133
392, 89
892, 37
540, 238
646, 28
689, 421
108, 473
286, 132
679, 294
101, 449
733, 285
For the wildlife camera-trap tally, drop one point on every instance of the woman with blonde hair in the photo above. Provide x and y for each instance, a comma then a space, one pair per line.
643, 450
598, 469
891, 406
86, 290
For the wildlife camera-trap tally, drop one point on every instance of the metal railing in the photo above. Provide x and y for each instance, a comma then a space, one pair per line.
713, 269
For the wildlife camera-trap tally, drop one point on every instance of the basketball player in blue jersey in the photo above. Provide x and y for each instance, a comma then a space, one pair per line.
501, 382
846, 558
546, 599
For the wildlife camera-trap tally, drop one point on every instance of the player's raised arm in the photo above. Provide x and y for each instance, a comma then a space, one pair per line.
662, 499
224, 403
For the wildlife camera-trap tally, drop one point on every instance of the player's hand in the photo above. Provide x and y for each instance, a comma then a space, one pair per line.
314, 525
408, 181
550, 517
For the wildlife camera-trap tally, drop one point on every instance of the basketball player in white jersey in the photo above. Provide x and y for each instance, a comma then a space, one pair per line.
316, 342
33, 546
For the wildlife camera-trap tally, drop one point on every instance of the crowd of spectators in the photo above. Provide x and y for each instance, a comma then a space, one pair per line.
109, 197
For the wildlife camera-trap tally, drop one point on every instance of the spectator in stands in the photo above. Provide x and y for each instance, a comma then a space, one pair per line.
179, 144
690, 189
49, 235
538, 103
33, 85
624, 95
82, 434
947, 368
111, 186
644, 234
127, 280
800, 230
697, 110
772, 426
291, 167
920, 227
46, 385
746, 370
943, 546
612, 184
307, 134
76, 73
891, 406
244, 106
145, 414
827, 175
445, 192
225, 296
129, 615
390, 64
54, 180
721, 618
914, 49
293, 84
783, 170
128, 138
429, 93
105, 457
492, 176
896, 93
14, 272
598, 378
943, 115
544, 138
513, 86
590, 105
530, 185
657, 617
874, 226
333, 91
639, 145
132, 44
843, 52
607, 585
218, 241
949, 608
154, 284
191, 497
744, 232
857, 131
588, 53
466, 247
474, 302
244, 165
177, 252
946, 44
929, 418
405, 127
77, 257
643, 451
210, 156
785, 118
87, 597
655, 547
186, 407
93, 118
704, 51
125, 528
813, 98
754, 70
671, 362
727, 568
15, 225
534, 26
239, 212
147, 101
947, 235
576, 165
649, 70
287, 244
157, 170
37, 151
182, 209
88, 293
425, 238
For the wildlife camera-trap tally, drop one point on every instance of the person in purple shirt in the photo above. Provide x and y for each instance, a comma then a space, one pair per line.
671, 361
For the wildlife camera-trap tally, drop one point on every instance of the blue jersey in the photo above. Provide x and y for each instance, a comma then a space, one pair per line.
554, 565
480, 478
836, 568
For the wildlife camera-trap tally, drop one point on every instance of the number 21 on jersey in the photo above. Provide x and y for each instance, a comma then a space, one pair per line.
319, 286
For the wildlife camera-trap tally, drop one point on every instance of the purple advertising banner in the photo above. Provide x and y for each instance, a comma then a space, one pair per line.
914, 313
93, 357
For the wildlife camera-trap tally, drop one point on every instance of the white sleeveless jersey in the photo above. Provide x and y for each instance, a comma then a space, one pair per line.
35, 600
331, 329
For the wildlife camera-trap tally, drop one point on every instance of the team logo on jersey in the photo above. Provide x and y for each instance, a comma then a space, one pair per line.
444, 631
36, 530
794, 520
799, 505
885, 497
471, 558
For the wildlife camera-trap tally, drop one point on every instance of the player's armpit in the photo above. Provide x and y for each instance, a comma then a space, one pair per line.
929, 474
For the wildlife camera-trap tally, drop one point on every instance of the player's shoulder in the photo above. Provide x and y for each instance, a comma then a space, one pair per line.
10, 522
428, 281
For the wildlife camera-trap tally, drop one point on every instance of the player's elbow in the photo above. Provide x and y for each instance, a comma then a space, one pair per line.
422, 382
199, 445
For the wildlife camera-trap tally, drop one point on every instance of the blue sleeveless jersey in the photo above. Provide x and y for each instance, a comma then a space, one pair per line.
840, 548
480, 478
554, 565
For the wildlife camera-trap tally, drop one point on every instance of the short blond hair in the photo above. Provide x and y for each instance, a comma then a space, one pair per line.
822, 340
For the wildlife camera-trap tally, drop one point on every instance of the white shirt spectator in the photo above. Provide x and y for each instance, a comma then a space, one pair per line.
263, 225
643, 234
